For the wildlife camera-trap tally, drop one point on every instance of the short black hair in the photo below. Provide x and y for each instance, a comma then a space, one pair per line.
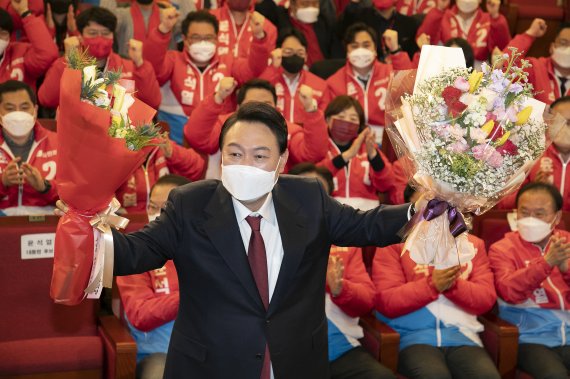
356, 28
255, 84
291, 32
171, 180
342, 103
546, 187
467, 50
101, 16
563, 25
6, 22
308, 167
261, 113
15, 85
199, 16
408, 193
560, 100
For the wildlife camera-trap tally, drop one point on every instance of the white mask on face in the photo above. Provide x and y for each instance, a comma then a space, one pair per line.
467, 6
307, 15
561, 55
202, 51
361, 57
3, 46
18, 123
247, 183
532, 229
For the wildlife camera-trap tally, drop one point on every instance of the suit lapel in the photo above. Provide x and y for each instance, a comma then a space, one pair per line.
223, 230
292, 227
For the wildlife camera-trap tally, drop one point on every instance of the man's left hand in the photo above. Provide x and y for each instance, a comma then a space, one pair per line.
33, 176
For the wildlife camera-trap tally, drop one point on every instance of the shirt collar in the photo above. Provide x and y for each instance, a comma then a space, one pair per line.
267, 210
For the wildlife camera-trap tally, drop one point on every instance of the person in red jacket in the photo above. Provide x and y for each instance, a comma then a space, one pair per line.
36, 8
533, 282
305, 144
150, 300
435, 312
25, 61
288, 74
235, 34
28, 154
194, 73
364, 77
413, 7
483, 30
134, 194
554, 166
97, 27
360, 169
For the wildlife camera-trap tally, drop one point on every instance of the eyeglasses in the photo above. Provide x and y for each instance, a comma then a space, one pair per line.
198, 38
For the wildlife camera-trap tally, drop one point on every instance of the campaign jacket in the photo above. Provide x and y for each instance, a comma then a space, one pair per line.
407, 300
484, 35
146, 86
413, 7
43, 156
289, 103
135, 192
354, 300
373, 96
396, 192
150, 301
534, 296
27, 61
237, 42
20, 33
358, 183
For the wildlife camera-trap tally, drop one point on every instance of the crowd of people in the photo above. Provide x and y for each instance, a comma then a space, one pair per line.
325, 66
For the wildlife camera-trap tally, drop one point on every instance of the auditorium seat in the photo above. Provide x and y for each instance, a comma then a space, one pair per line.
40, 339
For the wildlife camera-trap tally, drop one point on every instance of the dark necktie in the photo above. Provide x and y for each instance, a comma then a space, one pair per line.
562, 85
258, 264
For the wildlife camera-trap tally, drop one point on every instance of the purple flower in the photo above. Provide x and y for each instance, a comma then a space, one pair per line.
516, 88
498, 81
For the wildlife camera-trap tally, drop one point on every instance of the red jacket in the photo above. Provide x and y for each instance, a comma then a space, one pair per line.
358, 181
560, 178
43, 156
484, 35
27, 61
520, 269
289, 104
402, 286
541, 73
357, 295
146, 86
373, 97
135, 192
413, 7
189, 85
400, 181
150, 299
230, 38
20, 33
305, 144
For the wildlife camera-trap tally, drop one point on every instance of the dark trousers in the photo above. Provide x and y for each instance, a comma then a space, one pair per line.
543, 362
458, 362
359, 364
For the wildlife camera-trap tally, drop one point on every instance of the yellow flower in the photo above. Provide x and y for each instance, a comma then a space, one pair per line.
522, 116
501, 141
475, 81
488, 126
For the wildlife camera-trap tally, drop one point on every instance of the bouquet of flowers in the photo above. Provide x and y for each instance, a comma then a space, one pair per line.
466, 139
104, 135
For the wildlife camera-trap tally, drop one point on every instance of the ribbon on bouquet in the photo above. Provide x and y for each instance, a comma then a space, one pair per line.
104, 221
435, 208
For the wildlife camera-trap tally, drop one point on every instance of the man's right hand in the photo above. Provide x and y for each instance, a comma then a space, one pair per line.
444, 279
558, 251
12, 175
225, 89
71, 43
168, 18
537, 28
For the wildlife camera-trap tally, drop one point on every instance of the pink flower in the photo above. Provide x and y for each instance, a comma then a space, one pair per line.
478, 135
461, 84
458, 147
488, 154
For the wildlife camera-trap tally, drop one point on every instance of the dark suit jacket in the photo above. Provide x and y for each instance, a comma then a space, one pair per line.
222, 326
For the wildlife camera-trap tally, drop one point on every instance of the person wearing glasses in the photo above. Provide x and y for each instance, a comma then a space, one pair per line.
195, 72
96, 28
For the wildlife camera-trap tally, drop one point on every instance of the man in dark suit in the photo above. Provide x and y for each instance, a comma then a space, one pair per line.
251, 253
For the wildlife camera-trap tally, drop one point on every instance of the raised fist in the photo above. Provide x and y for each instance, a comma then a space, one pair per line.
226, 87
537, 28
391, 39
136, 51
256, 23
71, 43
168, 18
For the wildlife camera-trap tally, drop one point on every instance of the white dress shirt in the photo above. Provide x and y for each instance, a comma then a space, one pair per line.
271, 238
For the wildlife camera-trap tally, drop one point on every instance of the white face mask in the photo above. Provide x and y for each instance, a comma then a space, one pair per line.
307, 15
247, 183
202, 51
3, 45
532, 229
467, 6
18, 123
361, 57
561, 55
